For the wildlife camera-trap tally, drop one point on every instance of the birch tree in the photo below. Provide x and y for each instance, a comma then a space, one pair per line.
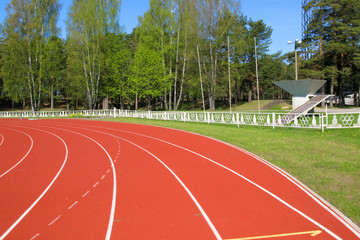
186, 35
28, 26
212, 30
88, 22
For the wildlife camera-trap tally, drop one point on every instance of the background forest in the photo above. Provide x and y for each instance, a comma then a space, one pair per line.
181, 51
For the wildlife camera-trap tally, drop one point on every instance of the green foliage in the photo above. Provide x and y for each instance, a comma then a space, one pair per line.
14, 72
88, 23
146, 79
76, 115
54, 68
158, 62
333, 36
117, 63
27, 28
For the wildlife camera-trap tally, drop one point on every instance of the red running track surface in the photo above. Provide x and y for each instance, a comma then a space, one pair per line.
78, 179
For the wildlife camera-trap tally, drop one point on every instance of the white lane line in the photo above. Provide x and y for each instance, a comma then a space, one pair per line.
205, 216
53, 221
113, 201
108, 170
318, 199
103, 176
119, 149
94, 186
72, 205
243, 177
248, 180
207, 219
84, 195
35, 236
27, 153
43, 193
2, 139
304, 189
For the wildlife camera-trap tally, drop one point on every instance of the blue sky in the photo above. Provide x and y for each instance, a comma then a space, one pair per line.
283, 16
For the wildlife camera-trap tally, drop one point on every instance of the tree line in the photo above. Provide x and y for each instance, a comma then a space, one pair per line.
181, 53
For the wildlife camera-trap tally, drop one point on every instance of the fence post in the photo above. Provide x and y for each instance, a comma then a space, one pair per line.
237, 119
273, 120
322, 123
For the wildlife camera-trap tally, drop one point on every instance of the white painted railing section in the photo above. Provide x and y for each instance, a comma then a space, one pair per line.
313, 120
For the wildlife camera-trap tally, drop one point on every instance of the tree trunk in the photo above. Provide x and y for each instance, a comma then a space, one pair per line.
30, 80
202, 90
148, 100
331, 93
182, 82
136, 101
323, 93
212, 80
122, 104
176, 67
164, 67
52, 94
249, 96
105, 103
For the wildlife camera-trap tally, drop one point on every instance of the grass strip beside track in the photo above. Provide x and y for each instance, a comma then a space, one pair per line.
328, 162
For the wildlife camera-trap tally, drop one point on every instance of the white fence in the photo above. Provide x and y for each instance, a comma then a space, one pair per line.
314, 120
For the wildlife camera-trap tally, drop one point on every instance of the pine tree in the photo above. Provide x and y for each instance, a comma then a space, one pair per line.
335, 30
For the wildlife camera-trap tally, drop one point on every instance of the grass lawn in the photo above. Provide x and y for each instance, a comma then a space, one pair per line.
327, 162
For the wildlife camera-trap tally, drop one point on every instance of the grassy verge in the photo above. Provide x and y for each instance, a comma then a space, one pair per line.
326, 162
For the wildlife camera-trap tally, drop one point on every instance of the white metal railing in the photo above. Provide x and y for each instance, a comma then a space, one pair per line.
343, 120
237, 118
313, 120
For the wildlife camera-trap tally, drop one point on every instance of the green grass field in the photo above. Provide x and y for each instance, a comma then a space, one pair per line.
327, 162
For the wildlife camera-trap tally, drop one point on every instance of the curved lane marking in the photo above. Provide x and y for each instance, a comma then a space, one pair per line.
35, 236
31, 146
241, 176
113, 203
207, 219
318, 199
253, 183
298, 184
2, 139
44, 192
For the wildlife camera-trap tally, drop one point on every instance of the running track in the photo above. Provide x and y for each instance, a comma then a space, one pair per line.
78, 179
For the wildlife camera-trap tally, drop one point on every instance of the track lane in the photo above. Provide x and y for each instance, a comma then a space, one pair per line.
14, 150
217, 190
291, 191
25, 185
54, 216
225, 204
154, 203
